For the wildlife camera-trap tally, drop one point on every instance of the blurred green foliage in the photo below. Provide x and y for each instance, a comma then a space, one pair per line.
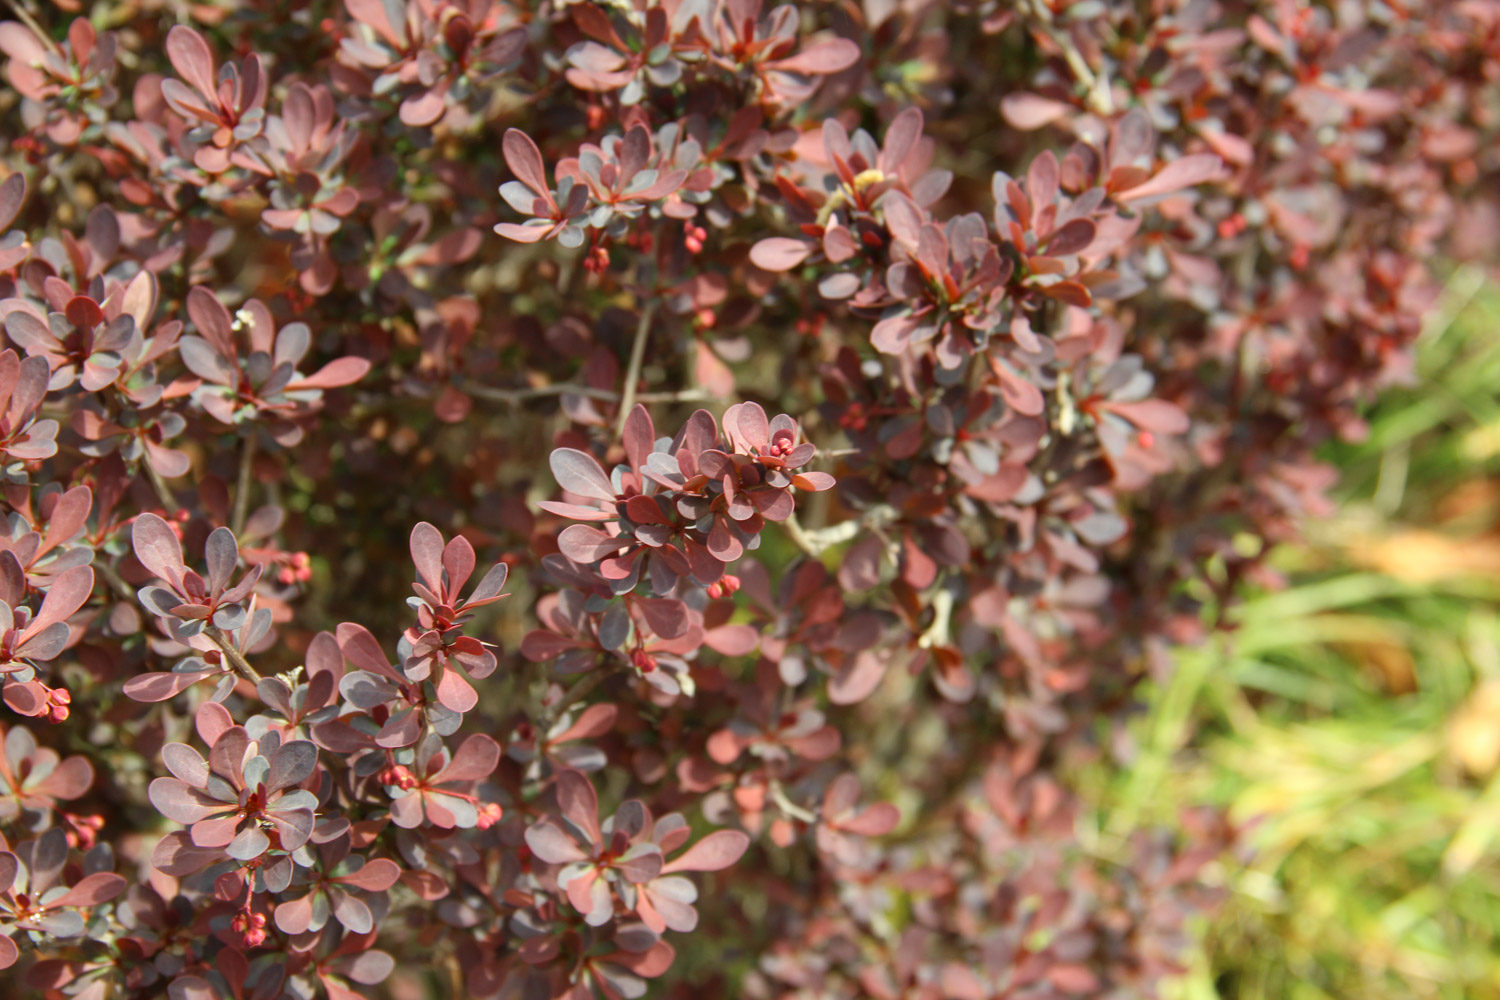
1351, 720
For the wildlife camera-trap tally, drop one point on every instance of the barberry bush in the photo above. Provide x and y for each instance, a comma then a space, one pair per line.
574, 499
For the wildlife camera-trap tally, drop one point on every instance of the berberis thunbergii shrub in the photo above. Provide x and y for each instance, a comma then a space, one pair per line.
799, 430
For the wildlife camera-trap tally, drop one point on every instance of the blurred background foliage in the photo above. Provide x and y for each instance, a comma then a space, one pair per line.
1350, 721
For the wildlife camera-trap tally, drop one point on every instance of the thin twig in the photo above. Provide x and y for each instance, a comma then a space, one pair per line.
1462, 288
576, 693
168, 502
815, 541
115, 581
513, 396
936, 634
242, 486
567, 271
799, 536
1095, 85
779, 796
637, 358
241, 665
36, 29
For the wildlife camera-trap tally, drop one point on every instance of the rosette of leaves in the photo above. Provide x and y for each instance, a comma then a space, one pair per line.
606, 63
596, 861
79, 343
28, 638
24, 438
142, 357
562, 745
651, 538
263, 384
442, 784
190, 600
767, 48
304, 151
404, 706
751, 483
226, 108
36, 902
624, 175
461, 59
50, 537
845, 224
206, 659
569, 633
844, 826
771, 734
339, 886
405, 256
434, 58
1113, 397
73, 82
944, 284
306, 698
34, 779
666, 901
618, 959
244, 799
624, 857
554, 215
434, 646
137, 437
692, 504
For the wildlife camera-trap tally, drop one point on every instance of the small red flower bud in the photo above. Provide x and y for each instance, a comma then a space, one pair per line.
58, 700
84, 832
596, 261
250, 927
32, 147
397, 776
854, 418
489, 815
1232, 226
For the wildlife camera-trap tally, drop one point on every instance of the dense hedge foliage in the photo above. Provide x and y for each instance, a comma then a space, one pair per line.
793, 432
